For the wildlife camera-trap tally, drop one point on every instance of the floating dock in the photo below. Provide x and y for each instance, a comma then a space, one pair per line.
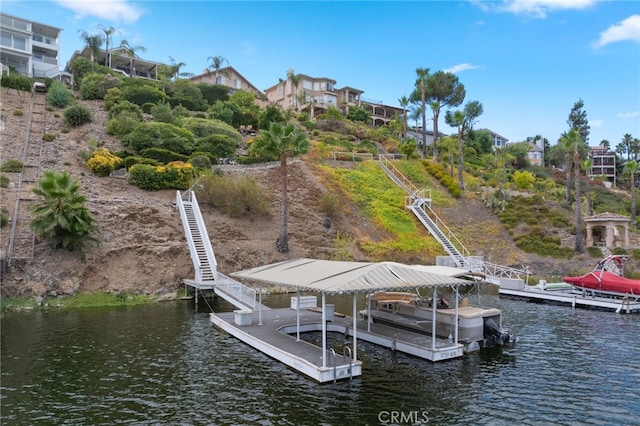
556, 293
275, 332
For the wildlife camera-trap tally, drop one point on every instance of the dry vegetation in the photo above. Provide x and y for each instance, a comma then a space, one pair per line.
143, 249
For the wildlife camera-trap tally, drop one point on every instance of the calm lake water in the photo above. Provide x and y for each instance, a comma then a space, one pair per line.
166, 364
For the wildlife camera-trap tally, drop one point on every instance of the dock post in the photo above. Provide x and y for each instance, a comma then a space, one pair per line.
355, 327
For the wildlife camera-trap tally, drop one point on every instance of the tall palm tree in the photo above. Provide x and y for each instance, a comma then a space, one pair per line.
175, 68
216, 65
404, 104
60, 217
416, 114
107, 38
457, 119
631, 167
131, 52
585, 166
625, 144
93, 42
419, 97
295, 82
284, 142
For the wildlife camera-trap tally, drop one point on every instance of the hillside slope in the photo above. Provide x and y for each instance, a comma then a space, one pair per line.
143, 248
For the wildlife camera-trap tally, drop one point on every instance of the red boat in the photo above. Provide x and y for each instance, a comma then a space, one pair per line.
607, 277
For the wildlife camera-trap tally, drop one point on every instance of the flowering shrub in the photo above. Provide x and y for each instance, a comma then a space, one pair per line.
175, 175
102, 162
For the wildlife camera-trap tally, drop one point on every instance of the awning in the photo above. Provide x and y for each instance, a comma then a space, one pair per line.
338, 277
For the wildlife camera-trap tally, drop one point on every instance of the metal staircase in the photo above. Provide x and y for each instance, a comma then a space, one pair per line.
460, 256
207, 276
22, 238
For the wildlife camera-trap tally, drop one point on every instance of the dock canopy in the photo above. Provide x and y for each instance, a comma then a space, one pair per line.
338, 277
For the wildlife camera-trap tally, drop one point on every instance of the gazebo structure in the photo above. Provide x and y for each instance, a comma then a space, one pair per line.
607, 230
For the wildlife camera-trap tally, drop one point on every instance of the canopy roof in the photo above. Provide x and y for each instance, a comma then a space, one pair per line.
332, 277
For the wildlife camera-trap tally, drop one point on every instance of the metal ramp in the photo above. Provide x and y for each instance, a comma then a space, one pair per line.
22, 238
207, 276
420, 205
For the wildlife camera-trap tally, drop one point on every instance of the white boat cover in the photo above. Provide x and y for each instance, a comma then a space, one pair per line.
338, 277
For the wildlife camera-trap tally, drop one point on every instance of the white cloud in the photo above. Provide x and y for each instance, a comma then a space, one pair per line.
628, 29
536, 8
113, 10
633, 114
461, 67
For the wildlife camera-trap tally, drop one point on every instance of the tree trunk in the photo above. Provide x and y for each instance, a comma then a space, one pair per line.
588, 196
424, 125
460, 159
567, 173
633, 200
435, 134
282, 243
579, 242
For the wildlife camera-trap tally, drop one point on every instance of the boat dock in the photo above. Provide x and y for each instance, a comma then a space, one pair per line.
570, 296
275, 332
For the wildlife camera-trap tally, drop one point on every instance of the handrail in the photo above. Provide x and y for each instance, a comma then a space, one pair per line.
440, 224
414, 191
332, 354
348, 349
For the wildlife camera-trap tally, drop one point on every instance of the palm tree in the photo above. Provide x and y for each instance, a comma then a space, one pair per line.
585, 166
404, 104
457, 119
631, 167
175, 69
282, 141
60, 216
93, 42
131, 52
419, 96
295, 82
107, 37
625, 144
216, 65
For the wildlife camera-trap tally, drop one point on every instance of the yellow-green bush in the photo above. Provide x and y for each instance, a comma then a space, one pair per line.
102, 162
175, 175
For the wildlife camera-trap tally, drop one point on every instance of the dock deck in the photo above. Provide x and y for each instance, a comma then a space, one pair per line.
574, 298
276, 337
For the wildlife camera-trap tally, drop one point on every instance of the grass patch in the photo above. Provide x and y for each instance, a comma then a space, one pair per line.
80, 300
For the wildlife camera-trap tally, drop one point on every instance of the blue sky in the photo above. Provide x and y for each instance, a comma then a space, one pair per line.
527, 61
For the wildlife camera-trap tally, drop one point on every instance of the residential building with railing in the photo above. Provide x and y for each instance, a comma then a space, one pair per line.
603, 164
29, 47
230, 77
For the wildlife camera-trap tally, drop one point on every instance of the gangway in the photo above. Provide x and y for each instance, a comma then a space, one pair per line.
420, 206
207, 276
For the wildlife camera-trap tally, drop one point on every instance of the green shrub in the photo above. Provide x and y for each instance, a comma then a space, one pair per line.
48, 137
163, 155
4, 181
18, 113
595, 252
4, 218
219, 146
201, 162
112, 97
77, 115
95, 85
59, 95
161, 112
160, 135
122, 125
147, 106
132, 160
176, 175
11, 166
140, 95
16, 81
202, 127
437, 170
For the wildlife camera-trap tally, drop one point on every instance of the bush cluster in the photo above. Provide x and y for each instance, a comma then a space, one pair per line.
77, 115
163, 155
438, 171
103, 162
59, 95
235, 197
4, 181
16, 81
48, 137
175, 175
546, 246
11, 166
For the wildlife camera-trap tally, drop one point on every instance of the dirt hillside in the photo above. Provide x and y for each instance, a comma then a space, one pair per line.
142, 246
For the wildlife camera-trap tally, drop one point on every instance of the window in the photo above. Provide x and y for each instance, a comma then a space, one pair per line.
13, 41
306, 84
236, 84
279, 90
220, 79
